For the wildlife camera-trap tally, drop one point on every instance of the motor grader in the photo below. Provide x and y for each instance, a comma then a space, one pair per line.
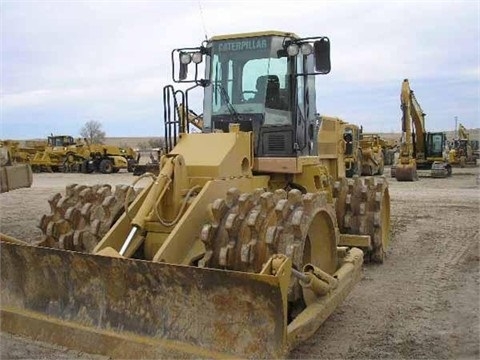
243, 244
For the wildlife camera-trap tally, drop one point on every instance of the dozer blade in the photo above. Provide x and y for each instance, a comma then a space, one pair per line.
127, 308
16, 176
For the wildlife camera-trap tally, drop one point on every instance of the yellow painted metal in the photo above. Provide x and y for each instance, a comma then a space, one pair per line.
331, 145
361, 241
222, 154
164, 308
307, 322
253, 35
11, 239
176, 247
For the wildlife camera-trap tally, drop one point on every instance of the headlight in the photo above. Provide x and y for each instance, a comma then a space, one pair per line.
185, 58
292, 50
306, 49
197, 57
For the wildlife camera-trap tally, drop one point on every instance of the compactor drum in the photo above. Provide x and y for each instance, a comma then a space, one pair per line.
242, 245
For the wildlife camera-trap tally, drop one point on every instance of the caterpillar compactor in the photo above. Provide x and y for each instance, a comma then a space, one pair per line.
419, 149
243, 244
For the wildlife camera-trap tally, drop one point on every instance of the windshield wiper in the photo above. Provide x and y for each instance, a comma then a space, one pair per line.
230, 106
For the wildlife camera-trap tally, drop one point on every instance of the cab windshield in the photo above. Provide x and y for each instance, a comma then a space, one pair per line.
249, 76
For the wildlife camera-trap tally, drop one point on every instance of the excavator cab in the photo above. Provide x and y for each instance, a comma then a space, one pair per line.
265, 83
435, 143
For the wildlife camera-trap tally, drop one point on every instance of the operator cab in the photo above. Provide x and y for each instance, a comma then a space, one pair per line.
265, 82
60, 140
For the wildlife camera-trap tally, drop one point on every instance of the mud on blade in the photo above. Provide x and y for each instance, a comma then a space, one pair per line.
132, 308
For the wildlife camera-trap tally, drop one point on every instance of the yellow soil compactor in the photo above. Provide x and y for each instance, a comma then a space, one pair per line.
243, 244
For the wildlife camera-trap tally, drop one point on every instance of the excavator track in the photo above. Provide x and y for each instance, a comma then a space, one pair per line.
247, 228
363, 208
79, 219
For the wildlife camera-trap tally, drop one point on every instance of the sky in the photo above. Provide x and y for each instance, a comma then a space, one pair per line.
64, 63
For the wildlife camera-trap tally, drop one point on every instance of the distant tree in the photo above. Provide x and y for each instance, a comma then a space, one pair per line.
142, 145
156, 143
92, 131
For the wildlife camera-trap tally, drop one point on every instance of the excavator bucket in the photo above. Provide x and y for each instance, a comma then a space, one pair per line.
140, 309
406, 172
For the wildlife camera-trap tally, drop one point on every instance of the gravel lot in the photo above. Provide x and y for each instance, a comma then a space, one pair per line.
423, 302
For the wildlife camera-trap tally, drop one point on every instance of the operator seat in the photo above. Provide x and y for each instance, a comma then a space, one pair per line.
273, 98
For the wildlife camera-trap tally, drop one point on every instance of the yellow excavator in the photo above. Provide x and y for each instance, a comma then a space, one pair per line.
245, 242
418, 149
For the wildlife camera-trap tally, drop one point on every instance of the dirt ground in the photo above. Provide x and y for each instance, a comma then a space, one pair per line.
422, 303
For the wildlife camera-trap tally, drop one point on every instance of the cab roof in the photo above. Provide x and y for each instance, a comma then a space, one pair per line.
254, 34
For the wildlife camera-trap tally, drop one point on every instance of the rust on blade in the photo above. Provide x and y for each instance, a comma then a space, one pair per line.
170, 308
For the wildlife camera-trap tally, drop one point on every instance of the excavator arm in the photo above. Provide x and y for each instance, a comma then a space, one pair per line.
413, 121
406, 167
463, 133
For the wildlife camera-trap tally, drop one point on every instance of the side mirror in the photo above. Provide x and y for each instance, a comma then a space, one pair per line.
184, 58
183, 72
322, 55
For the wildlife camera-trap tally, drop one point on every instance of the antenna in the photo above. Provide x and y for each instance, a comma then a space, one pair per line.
455, 132
203, 20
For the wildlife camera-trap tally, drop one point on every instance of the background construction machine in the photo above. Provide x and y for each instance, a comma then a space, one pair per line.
353, 152
23, 153
64, 153
390, 148
418, 149
13, 175
364, 153
372, 154
462, 151
241, 246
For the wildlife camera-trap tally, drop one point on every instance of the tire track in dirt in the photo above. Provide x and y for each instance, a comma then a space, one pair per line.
423, 301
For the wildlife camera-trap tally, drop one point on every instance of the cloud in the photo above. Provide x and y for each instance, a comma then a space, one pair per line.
64, 62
